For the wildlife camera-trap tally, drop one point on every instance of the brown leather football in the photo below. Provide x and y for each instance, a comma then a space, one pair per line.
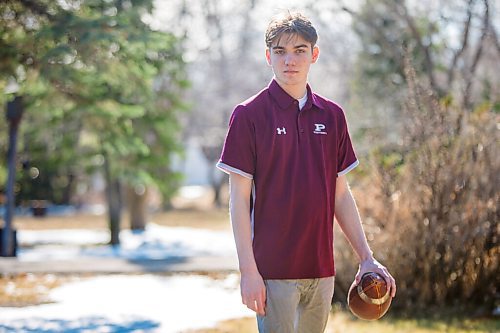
370, 299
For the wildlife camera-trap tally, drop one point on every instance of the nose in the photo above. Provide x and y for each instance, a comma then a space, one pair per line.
289, 60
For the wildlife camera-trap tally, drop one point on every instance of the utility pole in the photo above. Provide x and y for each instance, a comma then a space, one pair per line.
13, 115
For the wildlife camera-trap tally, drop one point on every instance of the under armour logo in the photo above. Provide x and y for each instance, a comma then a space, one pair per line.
319, 129
281, 130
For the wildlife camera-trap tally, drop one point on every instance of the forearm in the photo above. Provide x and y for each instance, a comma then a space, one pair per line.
253, 290
348, 218
241, 224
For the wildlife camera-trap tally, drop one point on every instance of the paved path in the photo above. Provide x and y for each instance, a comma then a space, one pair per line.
118, 265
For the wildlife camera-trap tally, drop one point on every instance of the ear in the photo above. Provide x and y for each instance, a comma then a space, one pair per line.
315, 54
268, 56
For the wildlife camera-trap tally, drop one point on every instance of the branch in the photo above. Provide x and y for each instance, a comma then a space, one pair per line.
465, 43
428, 62
477, 55
493, 34
484, 34
349, 11
385, 43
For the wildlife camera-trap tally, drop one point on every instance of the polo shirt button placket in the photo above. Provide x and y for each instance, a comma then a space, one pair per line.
296, 103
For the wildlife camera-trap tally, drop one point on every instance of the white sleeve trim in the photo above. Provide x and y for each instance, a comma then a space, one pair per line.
229, 169
349, 168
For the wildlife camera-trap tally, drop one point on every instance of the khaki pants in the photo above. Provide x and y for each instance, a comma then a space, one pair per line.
297, 306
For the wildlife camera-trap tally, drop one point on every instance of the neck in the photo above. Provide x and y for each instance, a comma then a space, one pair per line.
297, 91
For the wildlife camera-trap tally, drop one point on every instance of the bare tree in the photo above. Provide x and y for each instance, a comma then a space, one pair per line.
220, 37
449, 69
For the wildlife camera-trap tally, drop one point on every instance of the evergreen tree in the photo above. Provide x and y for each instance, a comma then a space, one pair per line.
102, 90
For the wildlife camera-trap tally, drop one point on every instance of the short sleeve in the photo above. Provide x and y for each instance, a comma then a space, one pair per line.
238, 152
346, 158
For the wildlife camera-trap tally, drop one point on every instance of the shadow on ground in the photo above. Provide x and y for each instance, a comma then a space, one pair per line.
80, 325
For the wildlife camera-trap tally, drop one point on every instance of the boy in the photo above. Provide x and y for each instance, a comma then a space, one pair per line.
287, 151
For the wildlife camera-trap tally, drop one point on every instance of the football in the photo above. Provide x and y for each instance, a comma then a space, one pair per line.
370, 299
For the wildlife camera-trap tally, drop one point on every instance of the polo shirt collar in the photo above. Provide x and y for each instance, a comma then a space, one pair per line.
285, 101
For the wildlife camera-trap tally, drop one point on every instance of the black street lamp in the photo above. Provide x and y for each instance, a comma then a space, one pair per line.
14, 113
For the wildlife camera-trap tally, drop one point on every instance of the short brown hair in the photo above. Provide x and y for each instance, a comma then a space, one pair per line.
293, 23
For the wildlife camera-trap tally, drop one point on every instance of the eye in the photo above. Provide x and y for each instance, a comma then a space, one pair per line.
279, 52
300, 51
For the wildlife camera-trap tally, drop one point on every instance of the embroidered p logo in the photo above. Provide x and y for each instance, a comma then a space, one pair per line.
319, 129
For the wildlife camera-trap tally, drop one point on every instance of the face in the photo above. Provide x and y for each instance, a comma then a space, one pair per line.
290, 57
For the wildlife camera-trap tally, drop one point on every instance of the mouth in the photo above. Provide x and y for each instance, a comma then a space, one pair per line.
290, 72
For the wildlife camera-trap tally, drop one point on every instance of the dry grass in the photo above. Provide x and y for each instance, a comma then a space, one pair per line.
29, 289
240, 325
214, 219
83, 221
343, 322
193, 207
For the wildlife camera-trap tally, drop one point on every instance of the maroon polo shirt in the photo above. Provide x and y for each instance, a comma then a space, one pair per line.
294, 158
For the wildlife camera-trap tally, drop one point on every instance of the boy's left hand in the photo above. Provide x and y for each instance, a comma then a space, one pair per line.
372, 265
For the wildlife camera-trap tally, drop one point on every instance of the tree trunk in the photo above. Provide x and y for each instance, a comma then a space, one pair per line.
68, 190
137, 205
217, 185
113, 193
216, 182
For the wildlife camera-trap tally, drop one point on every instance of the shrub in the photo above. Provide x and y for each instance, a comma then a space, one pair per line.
430, 205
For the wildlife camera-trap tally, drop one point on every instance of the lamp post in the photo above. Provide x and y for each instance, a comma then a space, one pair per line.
13, 115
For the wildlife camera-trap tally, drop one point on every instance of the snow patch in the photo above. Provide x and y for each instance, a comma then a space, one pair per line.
155, 243
129, 303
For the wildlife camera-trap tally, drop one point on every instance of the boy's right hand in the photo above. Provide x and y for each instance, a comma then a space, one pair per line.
253, 292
